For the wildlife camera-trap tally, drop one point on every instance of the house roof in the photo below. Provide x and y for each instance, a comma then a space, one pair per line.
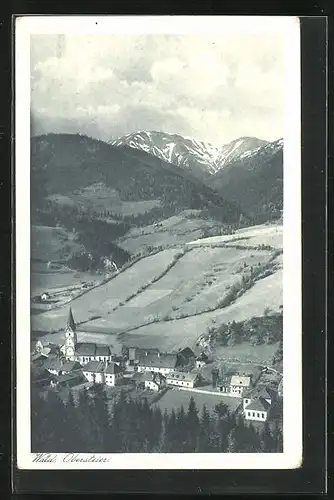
163, 360
53, 363
102, 350
260, 391
154, 377
187, 353
185, 377
202, 357
69, 366
66, 377
38, 355
113, 369
259, 405
94, 367
241, 381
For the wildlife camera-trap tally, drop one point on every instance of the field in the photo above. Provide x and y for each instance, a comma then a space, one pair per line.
174, 398
175, 230
271, 234
101, 300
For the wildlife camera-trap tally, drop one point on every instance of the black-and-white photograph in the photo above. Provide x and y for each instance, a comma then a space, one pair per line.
156, 242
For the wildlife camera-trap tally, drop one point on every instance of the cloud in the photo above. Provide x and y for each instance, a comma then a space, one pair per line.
216, 89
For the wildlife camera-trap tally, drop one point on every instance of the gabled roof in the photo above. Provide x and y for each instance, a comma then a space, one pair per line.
94, 367
154, 377
241, 381
182, 376
260, 391
163, 360
102, 350
113, 369
66, 377
69, 366
187, 353
259, 405
53, 363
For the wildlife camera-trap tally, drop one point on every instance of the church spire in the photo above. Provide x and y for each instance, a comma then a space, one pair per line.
70, 320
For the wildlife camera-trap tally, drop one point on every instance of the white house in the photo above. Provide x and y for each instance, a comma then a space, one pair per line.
239, 384
154, 381
257, 410
94, 371
113, 374
181, 379
45, 296
201, 360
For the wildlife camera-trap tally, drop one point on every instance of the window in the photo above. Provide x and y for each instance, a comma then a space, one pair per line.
248, 414
253, 413
258, 415
262, 415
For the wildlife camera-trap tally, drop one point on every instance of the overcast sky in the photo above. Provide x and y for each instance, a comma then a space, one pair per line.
214, 89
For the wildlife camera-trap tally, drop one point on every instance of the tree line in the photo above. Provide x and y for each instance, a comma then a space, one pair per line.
89, 425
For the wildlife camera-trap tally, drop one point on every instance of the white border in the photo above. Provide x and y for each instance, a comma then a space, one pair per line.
292, 430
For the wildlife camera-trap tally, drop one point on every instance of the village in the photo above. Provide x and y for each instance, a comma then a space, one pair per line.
75, 365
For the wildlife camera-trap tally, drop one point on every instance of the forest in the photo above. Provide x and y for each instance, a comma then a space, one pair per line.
88, 426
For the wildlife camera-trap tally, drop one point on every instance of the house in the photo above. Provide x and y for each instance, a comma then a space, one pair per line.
266, 393
154, 381
53, 364
162, 362
224, 384
40, 377
257, 410
201, 360
94, 371
69, 366
45, 296
71, 379
135, 353
238, 384
186, 357
182, 379
113, 374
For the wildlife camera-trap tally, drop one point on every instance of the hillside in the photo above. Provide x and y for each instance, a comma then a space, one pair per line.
174, 297
255, 182
77, 169
198, 157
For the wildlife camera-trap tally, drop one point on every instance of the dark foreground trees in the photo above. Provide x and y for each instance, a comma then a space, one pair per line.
91, 425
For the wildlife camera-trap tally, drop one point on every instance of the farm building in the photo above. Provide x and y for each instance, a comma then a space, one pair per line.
136, 353
59, 366
182, 379
160, 363
154, 381
113, 374
257, 410
45, 296
186, 356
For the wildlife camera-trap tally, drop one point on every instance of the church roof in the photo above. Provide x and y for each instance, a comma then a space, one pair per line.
92, 349
70, 320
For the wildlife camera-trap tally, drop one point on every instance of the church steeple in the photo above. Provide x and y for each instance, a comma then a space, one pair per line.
70, 337
70, 321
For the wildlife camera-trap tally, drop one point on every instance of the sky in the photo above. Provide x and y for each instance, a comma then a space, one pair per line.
215, 89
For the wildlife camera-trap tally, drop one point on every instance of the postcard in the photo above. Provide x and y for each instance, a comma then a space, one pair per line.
158, 242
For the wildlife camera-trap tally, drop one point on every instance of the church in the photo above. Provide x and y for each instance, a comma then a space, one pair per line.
83, 352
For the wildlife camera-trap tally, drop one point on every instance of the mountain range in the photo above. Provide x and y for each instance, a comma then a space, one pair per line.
198, 157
